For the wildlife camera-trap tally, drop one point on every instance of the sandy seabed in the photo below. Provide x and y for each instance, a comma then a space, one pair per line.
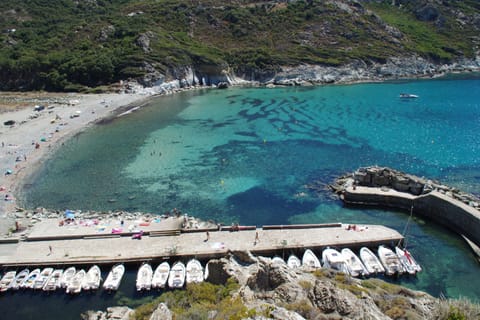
36, 134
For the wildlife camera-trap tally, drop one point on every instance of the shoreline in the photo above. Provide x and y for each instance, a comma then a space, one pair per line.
70, 114
36, 135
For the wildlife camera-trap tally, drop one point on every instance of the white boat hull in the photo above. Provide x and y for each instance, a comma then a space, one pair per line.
160, 276
334, 260
371, 262
176, 278
310, 260
390, 261
114, 278
354, 264
194, 272
144, 277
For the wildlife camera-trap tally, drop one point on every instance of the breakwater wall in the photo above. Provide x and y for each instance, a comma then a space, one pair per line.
382, 186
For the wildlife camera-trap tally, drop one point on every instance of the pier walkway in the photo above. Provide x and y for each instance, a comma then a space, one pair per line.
82, 246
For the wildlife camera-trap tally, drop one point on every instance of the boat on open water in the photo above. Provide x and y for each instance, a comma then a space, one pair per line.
160, 276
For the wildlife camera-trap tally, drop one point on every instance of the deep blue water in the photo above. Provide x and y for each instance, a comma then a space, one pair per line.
246, 155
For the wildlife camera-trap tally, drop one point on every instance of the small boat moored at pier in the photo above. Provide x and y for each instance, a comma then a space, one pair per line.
19, 279
160, 276
42, 278
278, 260
370, 261
390, 261
310, 260
114, 277
293, 262
67, 276
194, 271
144, 277
333, 259
53, 283
176, 278
7, 280
92, 278
30, 280
75, 285
354, 264
409, 263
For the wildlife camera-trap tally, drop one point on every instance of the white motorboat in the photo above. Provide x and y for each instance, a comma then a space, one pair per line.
160, 276
354, 264
75, 285
293, 262
333, 259
53, 283
30, 280
114, 277
194, 272
7, 280
176, 278
278, 260
144, 277
409, 263
19, 279
370, 261
92, 278
42, 278
390, 261
408, 96
67, 276
310, 260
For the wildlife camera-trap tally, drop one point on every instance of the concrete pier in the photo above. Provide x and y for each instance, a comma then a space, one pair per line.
80, 246
382, 186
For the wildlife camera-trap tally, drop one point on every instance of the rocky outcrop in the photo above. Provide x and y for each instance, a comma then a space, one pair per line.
112, 313
379, 177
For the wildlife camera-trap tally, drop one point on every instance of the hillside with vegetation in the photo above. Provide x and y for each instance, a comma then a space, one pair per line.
71, 45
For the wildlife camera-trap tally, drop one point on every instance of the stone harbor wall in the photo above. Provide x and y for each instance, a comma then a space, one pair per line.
383, 186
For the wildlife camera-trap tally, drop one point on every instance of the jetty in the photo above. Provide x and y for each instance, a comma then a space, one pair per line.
386, 187
48, 243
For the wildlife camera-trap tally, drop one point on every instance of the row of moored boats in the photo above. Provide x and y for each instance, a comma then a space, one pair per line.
49, 279
388, 262
73, 281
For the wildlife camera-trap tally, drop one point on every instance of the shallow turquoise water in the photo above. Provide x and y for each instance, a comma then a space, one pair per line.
245, 155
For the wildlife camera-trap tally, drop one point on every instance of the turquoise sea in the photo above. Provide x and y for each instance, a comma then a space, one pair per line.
246, 155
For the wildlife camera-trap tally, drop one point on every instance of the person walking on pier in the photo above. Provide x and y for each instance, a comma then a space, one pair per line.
257, 238
208, 237
49, 250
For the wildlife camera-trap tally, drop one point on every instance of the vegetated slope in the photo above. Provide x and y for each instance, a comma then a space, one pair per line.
69, 45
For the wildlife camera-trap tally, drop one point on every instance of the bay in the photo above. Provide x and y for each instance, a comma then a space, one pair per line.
246, 155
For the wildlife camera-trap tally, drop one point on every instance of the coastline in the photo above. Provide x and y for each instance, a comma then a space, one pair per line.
68, 114
36, 135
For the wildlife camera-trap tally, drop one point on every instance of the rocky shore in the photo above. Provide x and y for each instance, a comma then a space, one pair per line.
274, 291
